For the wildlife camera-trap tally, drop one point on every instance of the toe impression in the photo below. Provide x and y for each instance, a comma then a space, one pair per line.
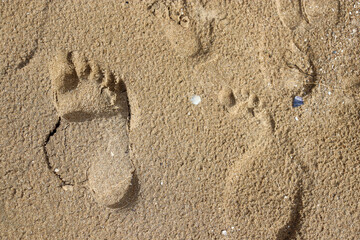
62, 73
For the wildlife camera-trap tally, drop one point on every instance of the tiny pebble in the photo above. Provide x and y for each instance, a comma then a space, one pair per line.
68, 188
56, 170
224, 232
296, 118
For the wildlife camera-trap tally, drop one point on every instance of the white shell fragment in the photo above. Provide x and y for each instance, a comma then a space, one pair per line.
196, 99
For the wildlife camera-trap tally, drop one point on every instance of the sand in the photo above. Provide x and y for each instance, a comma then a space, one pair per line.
175, 119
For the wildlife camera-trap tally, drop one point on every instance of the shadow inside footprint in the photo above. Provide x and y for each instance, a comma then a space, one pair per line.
78, 116
81, 116
131, 195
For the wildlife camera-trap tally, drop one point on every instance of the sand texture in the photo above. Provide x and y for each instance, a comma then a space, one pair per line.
162, 119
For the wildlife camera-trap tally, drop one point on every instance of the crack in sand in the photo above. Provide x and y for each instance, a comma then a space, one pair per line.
47, 158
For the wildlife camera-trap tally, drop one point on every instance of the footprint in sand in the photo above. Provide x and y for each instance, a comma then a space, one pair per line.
262, 196
226, 98
286, 67
302, 17
326, 25
291, 67
305, 17
83, 91
322, 13
190, 33
243, 100
290, 13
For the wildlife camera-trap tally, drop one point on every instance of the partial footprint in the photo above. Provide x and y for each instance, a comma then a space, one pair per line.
304, 17
83, 91
290, 12
112, 177
243, 100
286, 67
226, 97
323, 13
189, 34
262, 196
309, 22
301, 16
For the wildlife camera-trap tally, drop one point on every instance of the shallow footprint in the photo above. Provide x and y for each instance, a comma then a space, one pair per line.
227, 99
322, 12
82, 92
290, 12
190, 36
293, 13
286, 67
243, 100
262, 196
303, 16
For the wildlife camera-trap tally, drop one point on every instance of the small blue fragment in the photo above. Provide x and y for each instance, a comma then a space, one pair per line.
298, 101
